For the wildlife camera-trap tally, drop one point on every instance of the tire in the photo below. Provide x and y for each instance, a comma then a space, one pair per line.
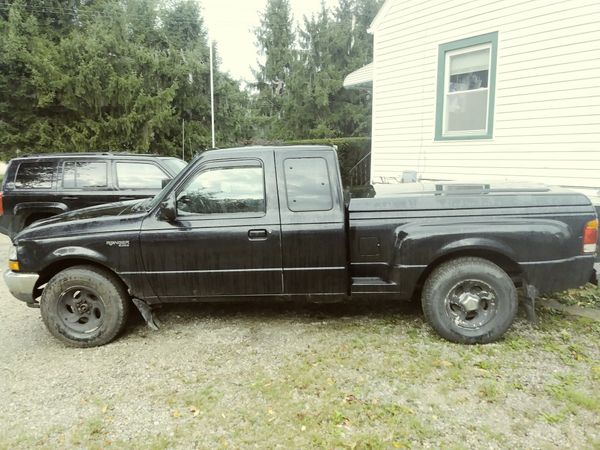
85, 306
469, 301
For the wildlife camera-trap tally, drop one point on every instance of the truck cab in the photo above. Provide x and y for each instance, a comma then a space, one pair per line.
251, 223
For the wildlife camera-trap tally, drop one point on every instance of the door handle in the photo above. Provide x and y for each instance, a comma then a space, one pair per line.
70, 197
127, 198
257, 235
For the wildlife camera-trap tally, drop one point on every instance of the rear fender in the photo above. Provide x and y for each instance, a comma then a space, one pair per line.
421, 243
24, 210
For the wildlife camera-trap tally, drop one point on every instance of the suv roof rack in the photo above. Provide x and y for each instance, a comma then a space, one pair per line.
60, 154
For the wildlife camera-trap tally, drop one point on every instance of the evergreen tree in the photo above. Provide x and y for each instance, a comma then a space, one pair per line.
110, 75
275, 39
330, 45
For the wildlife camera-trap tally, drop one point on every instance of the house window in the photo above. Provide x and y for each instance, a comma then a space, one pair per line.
466, 88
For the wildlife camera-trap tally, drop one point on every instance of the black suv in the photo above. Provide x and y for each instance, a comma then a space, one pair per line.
40, 186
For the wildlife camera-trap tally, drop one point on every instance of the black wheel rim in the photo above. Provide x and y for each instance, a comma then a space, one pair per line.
471, 304
81, 310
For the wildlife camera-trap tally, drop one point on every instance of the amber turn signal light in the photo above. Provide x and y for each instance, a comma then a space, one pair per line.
13, 265
590, 236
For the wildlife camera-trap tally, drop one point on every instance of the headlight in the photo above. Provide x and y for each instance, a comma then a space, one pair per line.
12, 253
13, 264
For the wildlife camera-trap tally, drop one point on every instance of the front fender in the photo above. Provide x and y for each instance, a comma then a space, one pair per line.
75, 252
34, 259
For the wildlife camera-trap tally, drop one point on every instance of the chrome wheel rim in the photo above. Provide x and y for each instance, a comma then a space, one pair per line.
471, 304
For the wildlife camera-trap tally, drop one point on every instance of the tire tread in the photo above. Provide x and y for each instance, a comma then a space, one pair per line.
447, 269
123, 305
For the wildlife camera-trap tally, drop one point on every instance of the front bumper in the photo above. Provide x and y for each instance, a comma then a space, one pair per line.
21, 285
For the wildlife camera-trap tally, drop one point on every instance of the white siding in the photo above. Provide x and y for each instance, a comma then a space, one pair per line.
547, 118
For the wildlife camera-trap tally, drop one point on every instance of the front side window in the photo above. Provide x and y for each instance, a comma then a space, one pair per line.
36, 175
84, 175
133, 175
307, 184
466, 82
224, 190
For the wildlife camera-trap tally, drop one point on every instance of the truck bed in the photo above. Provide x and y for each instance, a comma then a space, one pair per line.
397, 231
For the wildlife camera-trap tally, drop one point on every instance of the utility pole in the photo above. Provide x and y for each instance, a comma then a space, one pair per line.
183, 139
212, 93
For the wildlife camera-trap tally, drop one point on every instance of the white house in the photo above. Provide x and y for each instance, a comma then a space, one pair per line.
486, 89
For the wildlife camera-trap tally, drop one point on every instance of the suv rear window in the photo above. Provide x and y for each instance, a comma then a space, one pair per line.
139, 176
84, 174
35, 175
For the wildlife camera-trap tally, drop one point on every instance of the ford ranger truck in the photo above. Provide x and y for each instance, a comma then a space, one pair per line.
275, 223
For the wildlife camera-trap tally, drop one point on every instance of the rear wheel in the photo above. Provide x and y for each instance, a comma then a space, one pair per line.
469, 301
84, 306
35, 218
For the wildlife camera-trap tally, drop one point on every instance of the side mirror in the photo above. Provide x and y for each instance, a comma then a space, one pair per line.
168, 209
164, 182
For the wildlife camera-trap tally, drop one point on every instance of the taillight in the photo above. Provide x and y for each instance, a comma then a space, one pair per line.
1, 204
590, 236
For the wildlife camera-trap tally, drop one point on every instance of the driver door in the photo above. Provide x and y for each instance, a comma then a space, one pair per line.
226, 238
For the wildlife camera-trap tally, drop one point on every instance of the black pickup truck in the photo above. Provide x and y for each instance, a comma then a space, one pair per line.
263, 222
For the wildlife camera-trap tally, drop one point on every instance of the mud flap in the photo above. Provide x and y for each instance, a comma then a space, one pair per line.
531, 294
146, 313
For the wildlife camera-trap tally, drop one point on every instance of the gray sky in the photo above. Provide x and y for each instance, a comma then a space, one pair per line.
230, 23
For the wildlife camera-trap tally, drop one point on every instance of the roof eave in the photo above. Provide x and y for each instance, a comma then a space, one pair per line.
379, 17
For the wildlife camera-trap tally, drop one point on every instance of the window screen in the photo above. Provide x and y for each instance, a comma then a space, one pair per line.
307, 184
84, 174
139, 176
36, 175
466, 88
467, 96
224, 190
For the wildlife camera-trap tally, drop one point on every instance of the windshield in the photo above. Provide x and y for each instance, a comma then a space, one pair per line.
149, 203
175, 164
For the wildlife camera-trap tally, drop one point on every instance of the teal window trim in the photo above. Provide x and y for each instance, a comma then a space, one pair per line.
489, 38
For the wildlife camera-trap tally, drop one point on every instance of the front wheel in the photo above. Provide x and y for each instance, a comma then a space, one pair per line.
84, 306
469, 301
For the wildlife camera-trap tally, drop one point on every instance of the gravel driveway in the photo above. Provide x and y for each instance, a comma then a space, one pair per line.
292, 376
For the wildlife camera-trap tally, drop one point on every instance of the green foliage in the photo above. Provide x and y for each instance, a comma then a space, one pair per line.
329, 45
275, 39
125, 75
110, 75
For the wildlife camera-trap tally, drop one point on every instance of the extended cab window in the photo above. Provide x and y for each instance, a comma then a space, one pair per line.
133, 175
84, 174
35, 175
307, 184
224, 190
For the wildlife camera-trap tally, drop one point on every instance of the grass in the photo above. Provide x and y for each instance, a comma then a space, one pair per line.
370, 380
587, 297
